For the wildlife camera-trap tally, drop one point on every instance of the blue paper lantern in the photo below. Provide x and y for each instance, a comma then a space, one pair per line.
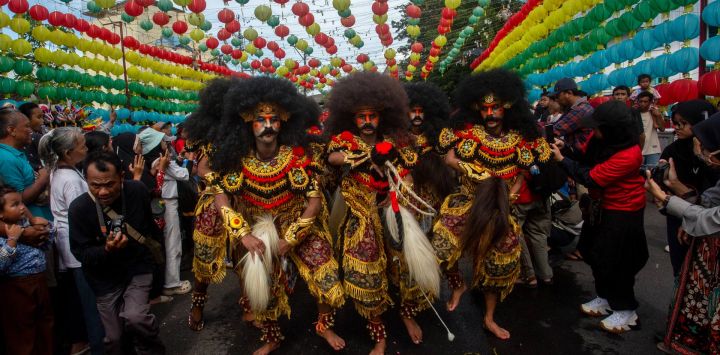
711, 14
629, 52
614, 78
534, 95
661, 66
628, 78
710, 49
645, 41
123, 113
685, 60
600, 81
662, 33
643, 67
685, 27
613, 54
599, 60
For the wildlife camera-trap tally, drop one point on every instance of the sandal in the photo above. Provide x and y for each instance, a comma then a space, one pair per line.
529, 282
184, 288
198, 301
574, 256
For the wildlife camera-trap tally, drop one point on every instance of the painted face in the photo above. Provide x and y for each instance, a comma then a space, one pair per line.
620, 95
367, 121
266, 127
417, 115
14, 208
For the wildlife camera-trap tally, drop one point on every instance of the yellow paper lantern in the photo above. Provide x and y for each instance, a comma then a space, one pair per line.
433, 59
389, 53
5, 42
413, 31
250, 48
70, 40
313, 72
440, 41
313, 29
4, 19
21, 47
20, 25
40, 33
42, 55
282, 70
301, 45
453, 4
325, 70
411, 68
197, 34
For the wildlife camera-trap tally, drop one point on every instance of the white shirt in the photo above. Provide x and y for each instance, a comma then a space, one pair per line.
652, 142
173, 174
65, 186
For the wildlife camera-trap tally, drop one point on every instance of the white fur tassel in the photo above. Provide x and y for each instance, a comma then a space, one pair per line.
417, 250
257, 270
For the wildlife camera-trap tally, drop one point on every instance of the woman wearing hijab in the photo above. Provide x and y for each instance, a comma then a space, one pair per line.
691, 170
694, 322
612, 241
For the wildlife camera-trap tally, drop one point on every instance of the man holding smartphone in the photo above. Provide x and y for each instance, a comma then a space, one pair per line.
106, 225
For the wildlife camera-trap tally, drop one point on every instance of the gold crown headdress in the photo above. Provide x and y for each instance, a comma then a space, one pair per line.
265, 108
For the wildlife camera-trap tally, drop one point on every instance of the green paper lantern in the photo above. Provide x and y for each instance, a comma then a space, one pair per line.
250, 34
413, 21
215, 52
662, 6
467, 31
45, 74
478, 11
164, 5
292, 40
24, 88
146, 25
349, 33
127, 18
6, 64
236, 42
167, 32
235, 62
22, 67
345, 13
258, 53
47, 92
7, 86
206, 26
184, 40
308, 50
644, 11
245, 65
242, 2
203, 47
93, 7
263, 13
418, 2
275, 64
273, 21
196, 19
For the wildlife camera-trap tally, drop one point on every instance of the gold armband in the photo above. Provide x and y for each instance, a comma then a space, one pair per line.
474, 172
297, 230
313, 193
234, 223
355, 159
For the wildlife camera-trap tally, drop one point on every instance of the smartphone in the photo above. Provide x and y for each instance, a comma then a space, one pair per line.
549, 134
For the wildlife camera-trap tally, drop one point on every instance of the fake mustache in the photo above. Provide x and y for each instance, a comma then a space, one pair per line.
367, 126
268, 132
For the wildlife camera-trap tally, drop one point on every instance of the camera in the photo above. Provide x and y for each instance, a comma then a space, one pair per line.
117, 226
659, 173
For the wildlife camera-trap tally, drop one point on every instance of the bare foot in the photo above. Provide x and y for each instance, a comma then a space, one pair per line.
499, 332
79, 347
455, 298
379, 348
195, 319
266, 349
334, 340
414, 330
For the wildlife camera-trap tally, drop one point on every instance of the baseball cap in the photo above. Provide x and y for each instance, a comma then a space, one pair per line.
612, 112
563, 84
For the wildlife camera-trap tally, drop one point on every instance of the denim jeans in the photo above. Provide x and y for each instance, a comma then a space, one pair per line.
650, 160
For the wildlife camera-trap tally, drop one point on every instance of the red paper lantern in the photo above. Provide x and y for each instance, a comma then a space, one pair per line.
300, 9
321, 38
684, 90
212, 43
160, 18
267, 62
446, 22
434, 52
259, 43
18, 6
391, 62
114, 39
599, 100
3, 2
448, 13
279, 53
105, 34
334, 72
348, 21
197, 6
282, 31
82, 25
70, 20
255, 64
710, 83
133, 9
226, 48
306, 20
281, 2
223, 34
387, 42
347, 68
362, 58
233, 26
379, 8
180, 27
313, 63
39, 13
413, 11
273, 46
56, 18
236, 54
226, 15
382, 29
145, 3
416, 47
130, 42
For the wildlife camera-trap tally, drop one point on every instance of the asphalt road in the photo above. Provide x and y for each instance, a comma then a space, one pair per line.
545, 320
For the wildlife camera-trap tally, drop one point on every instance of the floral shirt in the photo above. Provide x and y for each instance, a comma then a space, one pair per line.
22, 260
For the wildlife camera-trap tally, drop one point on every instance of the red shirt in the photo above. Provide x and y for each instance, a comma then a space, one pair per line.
622, 186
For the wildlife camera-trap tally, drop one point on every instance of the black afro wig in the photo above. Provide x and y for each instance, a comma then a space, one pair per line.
435, 107
365, 89
507, 87
202, 124
234, 138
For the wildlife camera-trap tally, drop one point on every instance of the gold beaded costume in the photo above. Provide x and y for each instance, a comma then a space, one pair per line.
483, 154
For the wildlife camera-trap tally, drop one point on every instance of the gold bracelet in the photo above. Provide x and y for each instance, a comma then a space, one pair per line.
234, 223
514, 197
291, 235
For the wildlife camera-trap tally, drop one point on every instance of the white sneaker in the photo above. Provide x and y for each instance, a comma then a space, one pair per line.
597, 307
620, 322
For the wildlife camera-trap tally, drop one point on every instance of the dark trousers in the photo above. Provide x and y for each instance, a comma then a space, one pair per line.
93, 324
126, 311
26, 315
616, 250
677, 251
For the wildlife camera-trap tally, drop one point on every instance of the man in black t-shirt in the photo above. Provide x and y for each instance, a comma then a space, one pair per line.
118, 268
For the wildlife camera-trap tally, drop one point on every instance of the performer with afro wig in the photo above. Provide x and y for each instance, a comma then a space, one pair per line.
268, 202
368, 125
493, 147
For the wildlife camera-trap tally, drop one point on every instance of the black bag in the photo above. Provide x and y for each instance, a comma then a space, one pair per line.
552, 177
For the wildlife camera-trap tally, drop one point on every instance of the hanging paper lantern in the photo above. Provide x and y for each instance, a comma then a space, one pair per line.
263, 13
197, 6
711, 14
250, 34
413, 31
292, 40
236, 42
709, 83
300, 9
164, 5
20, 25
306, 20
710, 49
313, 29
161, 18
180, 27
273, 46
279, 53
413, 11
18, 6
22, 67
20, 47
348, 21
685, 27
105, 4
379, 8
197, 34
145, 25
226, 15
273, 21
282, 31
39, 13
259, 42
685, 60
223, 34
684, 90
133, 9
212, 43
126, 18
196, 19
